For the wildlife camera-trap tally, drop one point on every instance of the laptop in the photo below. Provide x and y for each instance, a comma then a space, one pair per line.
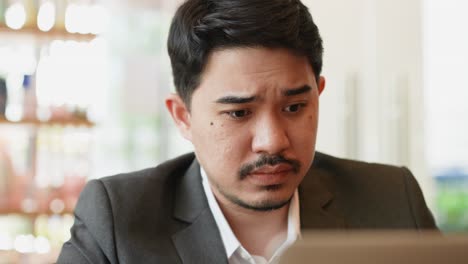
389, 247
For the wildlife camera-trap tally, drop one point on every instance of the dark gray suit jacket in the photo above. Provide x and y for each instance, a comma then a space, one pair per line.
161, 215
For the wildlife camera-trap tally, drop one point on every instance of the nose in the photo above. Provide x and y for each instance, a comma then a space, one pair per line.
270, 136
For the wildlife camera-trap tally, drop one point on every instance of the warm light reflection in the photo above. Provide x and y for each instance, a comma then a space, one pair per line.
24, 243
84, 25
18, 59
42, 245
46, 16
86, 19
57, 206
71, 72
40, 235
100, 18
6, 242
72, 15
15, 16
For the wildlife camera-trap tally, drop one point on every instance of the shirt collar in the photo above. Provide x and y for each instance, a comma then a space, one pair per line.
231, 244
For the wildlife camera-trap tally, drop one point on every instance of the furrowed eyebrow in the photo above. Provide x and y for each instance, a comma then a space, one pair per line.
235, 100
296, 91
230, 99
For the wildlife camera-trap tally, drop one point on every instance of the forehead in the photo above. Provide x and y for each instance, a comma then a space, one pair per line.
252, 69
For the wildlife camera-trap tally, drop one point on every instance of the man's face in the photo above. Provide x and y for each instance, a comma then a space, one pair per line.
253, 123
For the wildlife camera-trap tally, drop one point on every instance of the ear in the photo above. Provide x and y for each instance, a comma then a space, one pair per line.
321, 84
180, 114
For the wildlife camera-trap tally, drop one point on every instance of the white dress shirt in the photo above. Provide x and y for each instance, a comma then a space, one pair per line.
235, 252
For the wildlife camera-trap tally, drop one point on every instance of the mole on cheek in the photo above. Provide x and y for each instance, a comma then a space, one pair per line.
211, 123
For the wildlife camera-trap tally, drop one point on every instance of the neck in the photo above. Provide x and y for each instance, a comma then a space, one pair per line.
259, 232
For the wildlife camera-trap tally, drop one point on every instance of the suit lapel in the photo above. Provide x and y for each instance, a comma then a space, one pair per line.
316, 202
200, 241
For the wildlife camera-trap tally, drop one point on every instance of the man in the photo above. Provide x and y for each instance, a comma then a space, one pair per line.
247, 74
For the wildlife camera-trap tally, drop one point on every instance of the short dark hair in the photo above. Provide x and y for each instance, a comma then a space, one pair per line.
201, 26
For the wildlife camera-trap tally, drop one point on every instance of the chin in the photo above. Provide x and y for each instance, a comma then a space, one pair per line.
268, 205
267, 202
265, 198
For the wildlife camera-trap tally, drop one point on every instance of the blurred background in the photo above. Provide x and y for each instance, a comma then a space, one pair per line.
82, 84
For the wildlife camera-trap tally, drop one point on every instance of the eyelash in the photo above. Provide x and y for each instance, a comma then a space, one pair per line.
246, 112
231, 113
299, 105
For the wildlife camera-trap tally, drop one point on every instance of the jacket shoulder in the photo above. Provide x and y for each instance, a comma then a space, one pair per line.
176, 166
351, 176
354, 167
149, 190
127, 216
372, 194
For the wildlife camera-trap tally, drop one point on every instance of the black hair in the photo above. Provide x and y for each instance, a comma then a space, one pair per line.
200, 27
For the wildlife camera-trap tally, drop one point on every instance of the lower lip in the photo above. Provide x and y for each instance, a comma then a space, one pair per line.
266, 179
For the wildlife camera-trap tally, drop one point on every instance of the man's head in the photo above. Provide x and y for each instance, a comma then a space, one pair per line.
200, 27
247, 74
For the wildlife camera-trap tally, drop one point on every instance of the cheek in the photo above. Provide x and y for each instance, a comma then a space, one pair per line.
220, 141
222, 152
302, 134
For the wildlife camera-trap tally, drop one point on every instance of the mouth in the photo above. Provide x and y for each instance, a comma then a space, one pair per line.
270, 175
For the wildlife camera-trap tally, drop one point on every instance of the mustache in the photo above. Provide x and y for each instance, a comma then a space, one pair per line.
270, 160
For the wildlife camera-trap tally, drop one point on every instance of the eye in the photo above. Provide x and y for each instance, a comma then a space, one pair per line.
238, 114
294, 108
